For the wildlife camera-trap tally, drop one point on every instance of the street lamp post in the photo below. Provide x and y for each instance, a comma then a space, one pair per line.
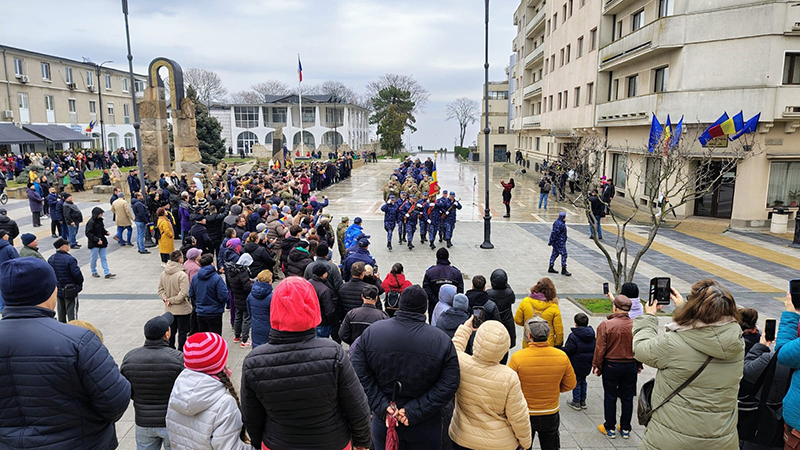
100, 100
487, 218
133, 99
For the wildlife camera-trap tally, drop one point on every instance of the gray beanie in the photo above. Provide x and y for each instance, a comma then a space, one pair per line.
460, 302
538, 328
236, 209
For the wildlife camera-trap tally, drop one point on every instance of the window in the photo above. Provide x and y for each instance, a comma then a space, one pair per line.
569, 47
18, 68
89, 78
652, 175
564, 13
619, 170
336, 115
580, 47
619, 30
589, 93
501, 95
126, 112
593, 39
49, 103
309, 115
583, 3
110, 109
92, 107
783, 178
501, 130
566, 100
538, 143
73, 106
561, 58
108, 81
68, 75
633, 86
551, 104
548, 27
559, 100
552, 63
245, 116
125, 85
246, 140
113, 141
637, 20
664, 8
129, 141
555, 21
615, 90
570, 8
46, 71
791, 68
279, 115
577, 97
661, 77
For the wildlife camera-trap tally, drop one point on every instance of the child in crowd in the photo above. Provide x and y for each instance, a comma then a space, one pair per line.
580, 349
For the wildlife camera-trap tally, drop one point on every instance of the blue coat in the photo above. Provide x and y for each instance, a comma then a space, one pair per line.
390, 215
788, 345
209, 292
67, 270
451, 216
580, 349
140, 213
558, 237
52, 201
350, 235
7, 251
318, 206
34, 200
72, 391
360, 254
258, 303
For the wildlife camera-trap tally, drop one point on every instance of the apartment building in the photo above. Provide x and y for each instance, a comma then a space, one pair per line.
667, 57
501, 139
44, 89
325, 121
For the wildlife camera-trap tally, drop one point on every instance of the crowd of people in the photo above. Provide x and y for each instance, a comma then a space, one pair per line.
423, 366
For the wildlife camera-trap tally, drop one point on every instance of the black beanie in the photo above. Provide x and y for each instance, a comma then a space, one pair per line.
414, 299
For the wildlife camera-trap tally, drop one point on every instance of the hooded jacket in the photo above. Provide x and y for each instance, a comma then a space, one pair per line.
258, 303
297, 261
202, 414
7, 251
480, 298
261, 258
96, 229
209, 292
490, 410
704, 415
174, 285
239, 284
503, 296
9, 225
580, 349
446, 294
452, 318
537, 305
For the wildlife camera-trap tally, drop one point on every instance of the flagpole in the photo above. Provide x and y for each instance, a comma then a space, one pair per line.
300, 93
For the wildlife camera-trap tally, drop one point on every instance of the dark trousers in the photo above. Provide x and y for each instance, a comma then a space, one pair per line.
37, 218
212, 324
55, 227
429, 437
179, 328
619, 382
547, 427
66, 308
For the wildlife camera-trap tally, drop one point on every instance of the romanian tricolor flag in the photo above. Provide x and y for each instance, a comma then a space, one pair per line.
299, 68
667, 135
434, 182
91, 125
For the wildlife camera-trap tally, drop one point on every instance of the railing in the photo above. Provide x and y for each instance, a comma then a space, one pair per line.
534, 55
537, 20
667, 32
532, 121
532, 89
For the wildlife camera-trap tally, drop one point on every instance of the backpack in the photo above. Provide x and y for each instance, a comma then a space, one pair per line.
393, 297
547, 187
156, 234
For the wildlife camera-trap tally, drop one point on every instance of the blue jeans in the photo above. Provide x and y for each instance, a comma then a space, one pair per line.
101, 252
151, 438
140, 228
599, 228
73, 234
579, 393
119, 234
324, 331
543, 197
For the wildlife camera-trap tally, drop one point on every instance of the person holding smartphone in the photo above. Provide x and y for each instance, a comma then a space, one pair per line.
788, 346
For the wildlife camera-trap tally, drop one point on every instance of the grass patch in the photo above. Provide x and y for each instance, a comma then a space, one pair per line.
399, 155
236, 159
603, 305
89, 174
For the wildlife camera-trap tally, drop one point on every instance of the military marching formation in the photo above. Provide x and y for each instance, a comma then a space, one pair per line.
411, 200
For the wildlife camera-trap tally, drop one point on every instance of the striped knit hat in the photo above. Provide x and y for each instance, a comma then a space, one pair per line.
206, 353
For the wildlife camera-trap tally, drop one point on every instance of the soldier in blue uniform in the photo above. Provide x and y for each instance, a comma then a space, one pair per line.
389, 219
410, 217
402, 208
450, 218
433, 218
558, 240
442, 204
422, 206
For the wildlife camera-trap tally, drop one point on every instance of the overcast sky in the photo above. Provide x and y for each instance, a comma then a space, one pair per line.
439, 42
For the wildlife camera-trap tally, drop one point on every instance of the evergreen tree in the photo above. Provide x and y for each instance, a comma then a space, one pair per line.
393, 114
209, 131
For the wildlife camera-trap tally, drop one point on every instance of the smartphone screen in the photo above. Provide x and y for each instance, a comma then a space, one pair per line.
605, 288
660, 290
769, 329
794, 290
477, 314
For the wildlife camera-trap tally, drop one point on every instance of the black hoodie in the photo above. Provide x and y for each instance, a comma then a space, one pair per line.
503, 296
96, 230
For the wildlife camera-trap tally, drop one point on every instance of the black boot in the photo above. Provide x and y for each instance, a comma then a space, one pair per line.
433, 247
449, 244
389, 245
565, 272
410, 245
551, 270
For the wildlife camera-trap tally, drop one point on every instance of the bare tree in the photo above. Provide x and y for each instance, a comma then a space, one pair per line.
465, 112
207, 84
419, 95
340, 90
657, 183
271, 87
246, 97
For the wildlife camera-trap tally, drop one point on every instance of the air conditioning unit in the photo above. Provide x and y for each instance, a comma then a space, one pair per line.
72, 85
90, 88
8, 114
24, 79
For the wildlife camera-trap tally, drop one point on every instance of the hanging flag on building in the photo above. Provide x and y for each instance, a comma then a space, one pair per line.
707, 135
667, 135
434, 181
299, 68
90, 127
749, 127
655, 134
676, 134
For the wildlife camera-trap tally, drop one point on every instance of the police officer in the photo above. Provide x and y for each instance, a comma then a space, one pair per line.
422, 207
441, 205
389, 219
433, 218
450, 218
558, 240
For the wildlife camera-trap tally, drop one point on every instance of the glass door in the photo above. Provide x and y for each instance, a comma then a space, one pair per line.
24, 110
50, 108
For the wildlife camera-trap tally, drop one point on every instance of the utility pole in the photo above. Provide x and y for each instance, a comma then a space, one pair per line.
133, 99
487, 218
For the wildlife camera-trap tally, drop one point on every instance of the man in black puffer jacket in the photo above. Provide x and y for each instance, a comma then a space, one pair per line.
152, 370
422, 358
350, 293
503, 296
61, 388
240, 285
67, 273
214, 221
299, 391
441, 273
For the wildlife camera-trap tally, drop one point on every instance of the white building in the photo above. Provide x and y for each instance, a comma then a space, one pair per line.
325, 121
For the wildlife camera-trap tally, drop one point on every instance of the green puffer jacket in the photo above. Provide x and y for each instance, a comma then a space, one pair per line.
704, 414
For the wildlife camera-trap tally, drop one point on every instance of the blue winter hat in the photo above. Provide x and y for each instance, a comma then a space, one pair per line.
357, 220
461, 302
26, 281
562, 215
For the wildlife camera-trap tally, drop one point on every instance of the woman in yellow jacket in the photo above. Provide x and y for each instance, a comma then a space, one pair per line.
166, 244
542, 301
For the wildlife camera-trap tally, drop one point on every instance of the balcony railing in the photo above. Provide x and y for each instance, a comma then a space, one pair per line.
534, 23
664, 33
611, 6
534, 56
532, 121
533, 89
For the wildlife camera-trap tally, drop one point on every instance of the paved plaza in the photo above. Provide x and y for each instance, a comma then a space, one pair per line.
755, 267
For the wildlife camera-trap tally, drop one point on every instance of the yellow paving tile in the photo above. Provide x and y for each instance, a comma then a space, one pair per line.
746, 247
715, 269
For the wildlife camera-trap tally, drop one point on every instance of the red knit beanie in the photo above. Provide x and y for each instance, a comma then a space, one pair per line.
294, 306
206, 353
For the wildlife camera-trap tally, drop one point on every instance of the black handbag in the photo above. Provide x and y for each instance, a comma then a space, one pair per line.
761, 421
393, 297
645, 410
71, 291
